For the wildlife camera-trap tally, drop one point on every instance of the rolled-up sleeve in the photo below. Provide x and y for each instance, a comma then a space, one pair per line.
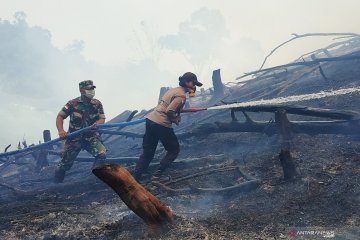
101, 111
176, 104
66, 110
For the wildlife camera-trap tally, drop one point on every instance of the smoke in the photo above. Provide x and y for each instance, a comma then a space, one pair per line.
206, 43
200, 37
37, 79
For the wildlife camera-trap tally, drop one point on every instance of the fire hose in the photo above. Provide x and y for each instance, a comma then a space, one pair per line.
69, 136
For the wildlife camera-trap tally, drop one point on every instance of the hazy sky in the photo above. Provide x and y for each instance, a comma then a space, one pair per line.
135, 47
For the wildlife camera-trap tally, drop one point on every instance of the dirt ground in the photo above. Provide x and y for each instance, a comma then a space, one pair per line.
325, 195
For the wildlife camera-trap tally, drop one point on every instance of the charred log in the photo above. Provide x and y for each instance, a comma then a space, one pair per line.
140, 201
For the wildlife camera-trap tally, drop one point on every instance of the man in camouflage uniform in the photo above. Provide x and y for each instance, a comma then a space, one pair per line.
84, 111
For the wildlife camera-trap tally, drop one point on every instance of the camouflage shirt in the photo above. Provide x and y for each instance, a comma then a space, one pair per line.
82, 114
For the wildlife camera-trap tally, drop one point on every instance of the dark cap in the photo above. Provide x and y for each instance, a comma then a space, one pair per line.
189, 76
87, 84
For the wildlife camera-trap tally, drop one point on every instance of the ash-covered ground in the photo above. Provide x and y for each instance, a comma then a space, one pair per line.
324, 196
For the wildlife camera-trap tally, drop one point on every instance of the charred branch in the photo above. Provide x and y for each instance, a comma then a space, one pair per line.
250, 184
201, 173
241, 187
7, 147
297, 36
306, 64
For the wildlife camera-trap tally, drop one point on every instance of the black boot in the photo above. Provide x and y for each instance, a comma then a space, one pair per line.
59, 176
159, 173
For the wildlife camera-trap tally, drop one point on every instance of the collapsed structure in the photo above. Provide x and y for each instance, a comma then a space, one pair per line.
332, 67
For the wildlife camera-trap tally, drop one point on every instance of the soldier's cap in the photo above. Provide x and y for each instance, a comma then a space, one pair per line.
87, 84
189, 76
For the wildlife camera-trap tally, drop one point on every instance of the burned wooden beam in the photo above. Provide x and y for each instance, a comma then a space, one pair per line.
345, 123
283, 126
217, 83
304, 111
297, 127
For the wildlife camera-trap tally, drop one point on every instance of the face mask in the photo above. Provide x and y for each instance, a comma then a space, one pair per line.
192, 92
89, 93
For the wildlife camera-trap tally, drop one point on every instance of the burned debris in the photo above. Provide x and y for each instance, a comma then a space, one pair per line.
211, 174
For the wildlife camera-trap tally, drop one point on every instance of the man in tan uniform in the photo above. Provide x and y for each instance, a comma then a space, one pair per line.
159, 125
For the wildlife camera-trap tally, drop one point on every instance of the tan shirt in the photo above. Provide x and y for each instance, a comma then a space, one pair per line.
172, 101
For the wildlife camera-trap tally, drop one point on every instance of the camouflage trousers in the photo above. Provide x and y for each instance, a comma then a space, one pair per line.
92, 145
